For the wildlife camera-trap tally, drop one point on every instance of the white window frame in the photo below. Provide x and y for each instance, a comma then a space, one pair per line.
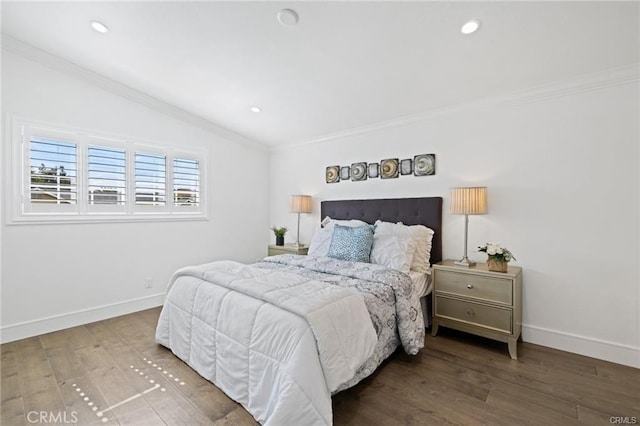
142, 208
184, 155
62, 136
93, 209
20, 209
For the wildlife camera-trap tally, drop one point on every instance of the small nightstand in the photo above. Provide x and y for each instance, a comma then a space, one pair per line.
478, 301
287, 249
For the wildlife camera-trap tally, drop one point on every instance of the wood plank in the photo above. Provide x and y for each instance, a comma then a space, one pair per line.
589, 416
62, 361
554, 359
201, 393
586, 390
111, 380
82, 398
456, 379
12, 407
532, 398
40, 392
238, 417
620, 375
129, 346
433, 392
525, 409
462, 378
211, 400
377, 404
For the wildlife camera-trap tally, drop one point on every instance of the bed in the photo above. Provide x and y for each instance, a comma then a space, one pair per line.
425, 211
283, 335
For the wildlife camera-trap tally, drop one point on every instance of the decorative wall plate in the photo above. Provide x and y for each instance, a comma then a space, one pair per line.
424, 165
359, 171
345, 172
332, 174
420, 165
373, 170
389, 168
405, 167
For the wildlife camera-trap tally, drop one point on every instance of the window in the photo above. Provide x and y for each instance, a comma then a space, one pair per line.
106, 170
72, 175
186, 182
151, 179
53, 168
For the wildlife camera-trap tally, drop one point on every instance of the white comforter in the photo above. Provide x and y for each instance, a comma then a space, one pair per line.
276, 342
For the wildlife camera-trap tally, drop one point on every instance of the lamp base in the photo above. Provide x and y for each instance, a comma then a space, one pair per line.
465, 262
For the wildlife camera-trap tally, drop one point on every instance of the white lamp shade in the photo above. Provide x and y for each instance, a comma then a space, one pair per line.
300, 204
469, 200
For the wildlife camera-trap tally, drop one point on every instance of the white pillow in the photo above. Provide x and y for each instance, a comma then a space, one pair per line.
327, 222
393, 251
422, 236
320, 242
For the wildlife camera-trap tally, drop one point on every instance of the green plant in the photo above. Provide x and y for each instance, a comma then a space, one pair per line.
497, 251
279, 232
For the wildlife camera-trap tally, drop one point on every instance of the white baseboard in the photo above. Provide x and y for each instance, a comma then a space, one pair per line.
587, 346
10, 333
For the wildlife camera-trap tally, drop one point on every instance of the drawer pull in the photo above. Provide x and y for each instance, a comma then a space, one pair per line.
470, 313
469, 286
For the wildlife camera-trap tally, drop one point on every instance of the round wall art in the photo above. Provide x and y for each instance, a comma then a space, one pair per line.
419, 165
389, 168
333, 174
359, 171
424, 165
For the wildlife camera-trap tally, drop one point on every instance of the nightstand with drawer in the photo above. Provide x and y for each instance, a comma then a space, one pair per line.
287, 249
478, 301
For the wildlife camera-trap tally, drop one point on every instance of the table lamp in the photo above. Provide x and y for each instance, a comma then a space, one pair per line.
300, 204
466, 201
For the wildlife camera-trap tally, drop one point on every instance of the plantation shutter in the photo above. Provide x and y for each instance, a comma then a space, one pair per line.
106, 176
62, 175
53, 172
150, 179
186, 182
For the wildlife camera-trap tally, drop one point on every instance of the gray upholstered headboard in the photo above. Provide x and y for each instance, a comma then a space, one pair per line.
410, 211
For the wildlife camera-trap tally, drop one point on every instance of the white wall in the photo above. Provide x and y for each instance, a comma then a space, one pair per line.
93, 271
563, 186
562, 177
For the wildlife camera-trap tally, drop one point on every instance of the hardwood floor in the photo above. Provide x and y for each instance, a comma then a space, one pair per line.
113, 372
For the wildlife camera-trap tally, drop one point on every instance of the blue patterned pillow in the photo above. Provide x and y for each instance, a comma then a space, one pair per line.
351, 243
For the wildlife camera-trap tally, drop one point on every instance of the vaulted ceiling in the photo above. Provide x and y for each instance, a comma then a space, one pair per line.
343, 66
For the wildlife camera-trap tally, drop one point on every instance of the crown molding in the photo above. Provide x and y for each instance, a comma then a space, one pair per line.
568, 87
579, 84
57, 63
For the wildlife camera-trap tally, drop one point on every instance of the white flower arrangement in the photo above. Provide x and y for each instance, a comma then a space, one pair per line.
497, 251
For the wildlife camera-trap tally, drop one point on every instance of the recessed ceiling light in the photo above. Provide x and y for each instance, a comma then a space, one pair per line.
471, 26
288, 17
99, 26
255, 109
